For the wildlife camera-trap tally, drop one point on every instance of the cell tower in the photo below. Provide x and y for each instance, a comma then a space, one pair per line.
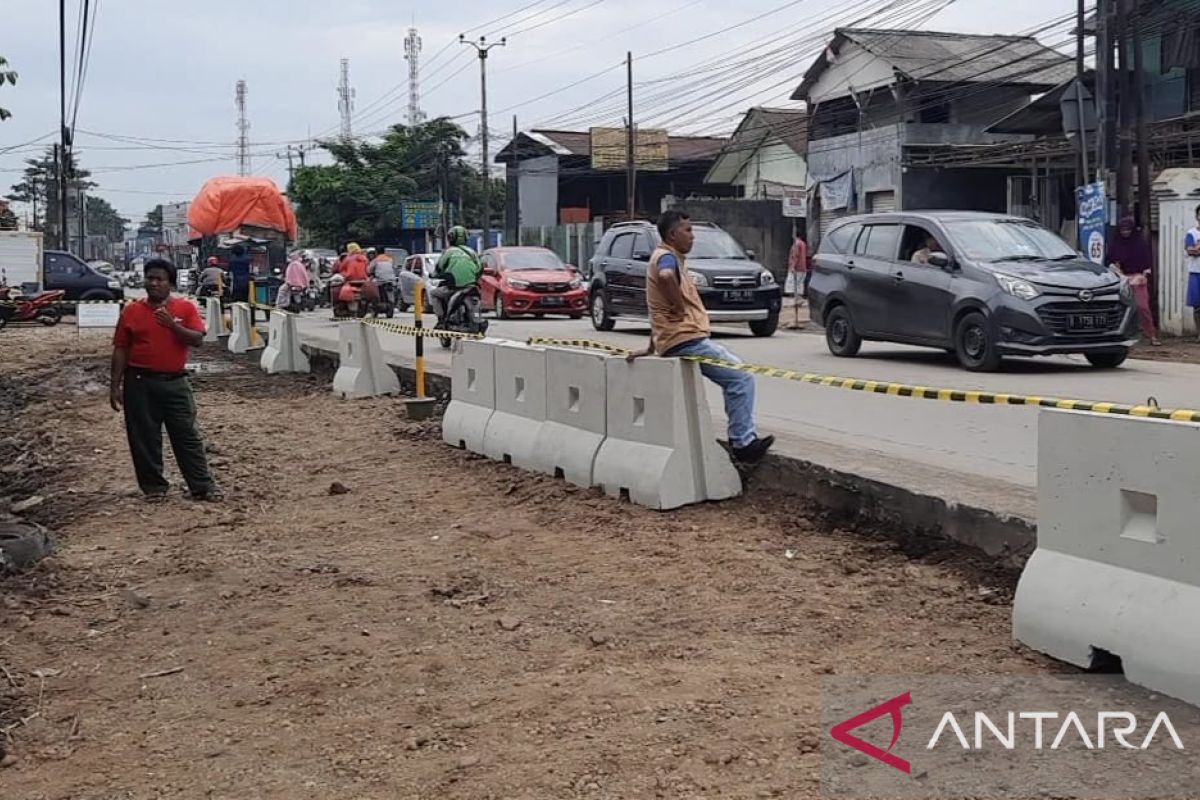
412, 50
346, 99
243, 125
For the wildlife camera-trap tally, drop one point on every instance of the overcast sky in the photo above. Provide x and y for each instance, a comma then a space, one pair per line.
167, 70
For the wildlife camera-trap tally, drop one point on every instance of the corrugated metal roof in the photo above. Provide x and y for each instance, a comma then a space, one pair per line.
952, 57
579, 143
788, 125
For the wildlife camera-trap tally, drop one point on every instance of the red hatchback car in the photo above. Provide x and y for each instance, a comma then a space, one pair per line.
530, 280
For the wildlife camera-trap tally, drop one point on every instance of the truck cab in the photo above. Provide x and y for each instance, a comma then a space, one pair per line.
80, 281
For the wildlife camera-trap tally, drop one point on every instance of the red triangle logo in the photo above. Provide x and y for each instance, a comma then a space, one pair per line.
841, 732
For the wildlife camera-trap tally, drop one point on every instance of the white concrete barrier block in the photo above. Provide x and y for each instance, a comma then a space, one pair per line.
472, 395
362, 371
214, 321
576, 416
241, 334
512, 432
660, 446
283, 353
1117, 566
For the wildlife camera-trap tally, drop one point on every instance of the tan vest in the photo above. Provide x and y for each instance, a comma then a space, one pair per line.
670, 326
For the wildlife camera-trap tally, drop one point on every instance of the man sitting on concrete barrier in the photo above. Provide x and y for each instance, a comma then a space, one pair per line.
679, 327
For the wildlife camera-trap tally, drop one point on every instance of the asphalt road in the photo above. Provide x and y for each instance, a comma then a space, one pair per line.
976, 454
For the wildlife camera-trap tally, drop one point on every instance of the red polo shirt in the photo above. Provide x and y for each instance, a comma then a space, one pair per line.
152, 346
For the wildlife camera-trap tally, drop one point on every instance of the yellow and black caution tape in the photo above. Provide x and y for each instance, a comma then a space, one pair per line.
412, 330
68, 302
918, 392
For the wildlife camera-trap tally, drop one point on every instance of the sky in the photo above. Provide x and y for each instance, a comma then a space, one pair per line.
156, 115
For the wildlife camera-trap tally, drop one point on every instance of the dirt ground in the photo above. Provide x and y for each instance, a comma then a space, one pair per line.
449, 628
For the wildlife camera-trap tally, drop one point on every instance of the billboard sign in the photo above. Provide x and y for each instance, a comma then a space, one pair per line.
609, 146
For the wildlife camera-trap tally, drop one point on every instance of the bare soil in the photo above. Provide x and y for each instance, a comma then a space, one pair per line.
448, 628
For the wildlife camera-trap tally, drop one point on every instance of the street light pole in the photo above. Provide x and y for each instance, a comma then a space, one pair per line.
482, 48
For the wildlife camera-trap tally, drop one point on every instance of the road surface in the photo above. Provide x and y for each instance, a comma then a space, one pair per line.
973, 454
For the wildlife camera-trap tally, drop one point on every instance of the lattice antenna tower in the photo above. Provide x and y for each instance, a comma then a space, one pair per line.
346, 100
412, 52
243, 127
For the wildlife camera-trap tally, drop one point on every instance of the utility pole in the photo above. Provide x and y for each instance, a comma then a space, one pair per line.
630, 161
346, 101
1139, 110
412, 51
243, 126
64, 239
482, 48
1103, 90
1080, 15
291, 168
1125, 115
515, 182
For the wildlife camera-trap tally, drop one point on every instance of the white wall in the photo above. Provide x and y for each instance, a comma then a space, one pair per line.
773, 163
539, 191
855, 69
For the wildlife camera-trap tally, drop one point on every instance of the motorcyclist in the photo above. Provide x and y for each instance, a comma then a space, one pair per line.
382, 270
354, 266
212, 279
295, 283
457, 269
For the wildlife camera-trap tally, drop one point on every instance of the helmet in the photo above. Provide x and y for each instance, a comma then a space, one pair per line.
213, 261
457, 235
353, 248
371, 252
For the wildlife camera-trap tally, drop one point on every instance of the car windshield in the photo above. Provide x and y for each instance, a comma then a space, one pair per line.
715, 243
1003, 240
530, 259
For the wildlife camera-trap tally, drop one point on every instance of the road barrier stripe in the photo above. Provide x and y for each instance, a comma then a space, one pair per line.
918, 392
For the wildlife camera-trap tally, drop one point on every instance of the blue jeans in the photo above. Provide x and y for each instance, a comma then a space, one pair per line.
738, 387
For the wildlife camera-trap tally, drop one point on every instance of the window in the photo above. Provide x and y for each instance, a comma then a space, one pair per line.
532, 258
841, 240
61, 266
715, 243
1007, 240
881, 241
644, 244
622, 246
916, 240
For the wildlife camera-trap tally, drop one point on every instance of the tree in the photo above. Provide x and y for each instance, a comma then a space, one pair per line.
361, 195
39, 187
104, 220
6, 76
153, 220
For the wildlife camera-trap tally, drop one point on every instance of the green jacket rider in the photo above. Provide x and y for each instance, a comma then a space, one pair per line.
459, 265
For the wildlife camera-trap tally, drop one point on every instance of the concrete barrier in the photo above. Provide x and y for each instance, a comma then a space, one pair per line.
576, 416
283, 353
241, 332
214, 321
472, 395
362, 371
512, 431
660, 446
1117, 567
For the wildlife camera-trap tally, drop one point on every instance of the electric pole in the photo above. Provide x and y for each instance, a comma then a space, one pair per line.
64, 239
346, 101
482, 48
515, 182
1080, 117
412, 52
243, 126
1139, 111
291, 168
630, 162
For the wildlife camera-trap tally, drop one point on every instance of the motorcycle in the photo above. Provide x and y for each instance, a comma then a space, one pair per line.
41, 308
347, 298
384, 300
464, 314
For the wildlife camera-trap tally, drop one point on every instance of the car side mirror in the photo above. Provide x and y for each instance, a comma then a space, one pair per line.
941, 261
750, 254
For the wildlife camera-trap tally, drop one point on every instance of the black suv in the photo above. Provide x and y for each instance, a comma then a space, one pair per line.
80, 281
982, 286
733, 287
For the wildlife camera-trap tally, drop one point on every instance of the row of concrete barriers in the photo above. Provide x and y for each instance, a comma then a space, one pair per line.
641, 430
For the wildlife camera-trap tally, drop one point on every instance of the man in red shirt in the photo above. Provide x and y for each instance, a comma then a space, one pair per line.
149, 379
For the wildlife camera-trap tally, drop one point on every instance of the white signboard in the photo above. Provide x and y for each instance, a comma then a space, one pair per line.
795, 202
97, 315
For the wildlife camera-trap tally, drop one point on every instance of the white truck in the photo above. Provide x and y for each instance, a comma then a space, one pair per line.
27, 266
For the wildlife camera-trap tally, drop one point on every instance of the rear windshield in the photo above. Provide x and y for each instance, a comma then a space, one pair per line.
530, 259
1007, 240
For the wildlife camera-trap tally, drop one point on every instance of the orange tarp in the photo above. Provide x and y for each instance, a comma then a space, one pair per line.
224, 204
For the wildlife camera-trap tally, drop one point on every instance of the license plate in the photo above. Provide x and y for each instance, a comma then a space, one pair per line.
1087, 322
552, 301
737, 295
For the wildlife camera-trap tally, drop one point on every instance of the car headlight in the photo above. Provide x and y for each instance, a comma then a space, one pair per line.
1017, 287
576, 283
765, 278
518, 284
114, 284
700, 280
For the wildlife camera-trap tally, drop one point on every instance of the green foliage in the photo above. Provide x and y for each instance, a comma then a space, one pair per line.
6, 76
103, 219
39, 186
360, 196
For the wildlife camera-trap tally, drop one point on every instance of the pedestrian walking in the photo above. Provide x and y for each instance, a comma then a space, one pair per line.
798, 277
150, 384
679, 327
1191, 244
239, 274
1129, 254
